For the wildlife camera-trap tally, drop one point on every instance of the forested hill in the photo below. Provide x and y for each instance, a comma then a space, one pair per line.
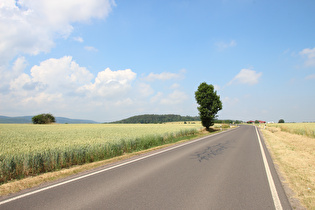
154, 118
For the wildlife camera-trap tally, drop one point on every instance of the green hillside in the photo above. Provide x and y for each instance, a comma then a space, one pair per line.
154, 118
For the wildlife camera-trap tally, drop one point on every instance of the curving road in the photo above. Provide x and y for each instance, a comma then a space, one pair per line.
222, 171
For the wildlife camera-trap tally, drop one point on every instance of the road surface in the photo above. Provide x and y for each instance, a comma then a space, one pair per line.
222, 171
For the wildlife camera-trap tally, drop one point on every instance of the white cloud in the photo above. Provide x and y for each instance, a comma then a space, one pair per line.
230, 101
8, 75
111, 83
78, 39
30, 27
64, 88
310, 55
64, 76
90, 48
246, 76
60, 73
165, 76
144, 90
175, 86
156, 98
176, 97
216, 87
61, 86
224, 45
309, 77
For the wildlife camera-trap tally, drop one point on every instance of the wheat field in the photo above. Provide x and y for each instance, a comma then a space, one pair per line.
292, 146
306, 129
27, 149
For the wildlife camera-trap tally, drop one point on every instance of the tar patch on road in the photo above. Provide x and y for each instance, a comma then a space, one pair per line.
211, 151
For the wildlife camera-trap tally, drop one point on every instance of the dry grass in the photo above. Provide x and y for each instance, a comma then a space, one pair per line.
295, 156
305, 129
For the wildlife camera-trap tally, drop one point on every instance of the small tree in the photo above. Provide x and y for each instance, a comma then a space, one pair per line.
209, 103
256, 122
281, 121
43, 119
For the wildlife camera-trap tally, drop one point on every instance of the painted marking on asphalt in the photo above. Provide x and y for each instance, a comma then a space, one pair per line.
272, 186
106, 169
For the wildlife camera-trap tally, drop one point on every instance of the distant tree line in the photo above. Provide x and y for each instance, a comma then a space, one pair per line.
155, 118
228, 121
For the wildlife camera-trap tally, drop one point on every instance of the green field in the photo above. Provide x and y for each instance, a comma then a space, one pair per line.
27, 149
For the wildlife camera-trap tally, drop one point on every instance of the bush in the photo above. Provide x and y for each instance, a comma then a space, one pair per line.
43, 119
281, 121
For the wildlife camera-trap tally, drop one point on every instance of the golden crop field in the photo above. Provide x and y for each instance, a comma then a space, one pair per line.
306, 129
292, 146
27, 149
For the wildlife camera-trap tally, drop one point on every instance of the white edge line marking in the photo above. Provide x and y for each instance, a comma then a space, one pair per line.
272, 186
106, 169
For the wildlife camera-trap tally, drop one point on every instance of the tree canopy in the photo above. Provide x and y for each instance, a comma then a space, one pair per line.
154, 118
209, 104
43, 119
281, 121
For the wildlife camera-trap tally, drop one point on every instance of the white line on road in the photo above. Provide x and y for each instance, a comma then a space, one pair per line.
272, 186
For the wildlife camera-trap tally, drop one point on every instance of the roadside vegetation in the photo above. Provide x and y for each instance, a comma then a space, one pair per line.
29, 150
305, 129
292, 147
209, 104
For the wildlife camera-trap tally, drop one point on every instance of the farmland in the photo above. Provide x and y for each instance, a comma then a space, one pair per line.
27, 149
306, 129
292, 147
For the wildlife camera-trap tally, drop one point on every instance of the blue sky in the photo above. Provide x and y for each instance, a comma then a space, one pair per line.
106, 60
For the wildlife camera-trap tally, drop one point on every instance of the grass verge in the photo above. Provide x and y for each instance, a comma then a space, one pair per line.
15, 186
295, 157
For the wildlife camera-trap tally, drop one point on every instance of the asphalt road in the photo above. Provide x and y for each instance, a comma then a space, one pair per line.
223, 171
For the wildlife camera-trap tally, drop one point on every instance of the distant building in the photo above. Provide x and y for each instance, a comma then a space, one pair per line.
260, 121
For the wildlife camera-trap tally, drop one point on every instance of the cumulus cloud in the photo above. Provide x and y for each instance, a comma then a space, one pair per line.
90, 48
63, 84
310, 56
175, 86
216, 87
30, 27
165, 76
246, 76
309, 77
224, 45
78, 39
63, 87
52, 76
230, 101
176, 97
110, 83
144, 89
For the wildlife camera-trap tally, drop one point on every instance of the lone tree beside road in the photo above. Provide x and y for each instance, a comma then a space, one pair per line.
43, 119
209, 104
